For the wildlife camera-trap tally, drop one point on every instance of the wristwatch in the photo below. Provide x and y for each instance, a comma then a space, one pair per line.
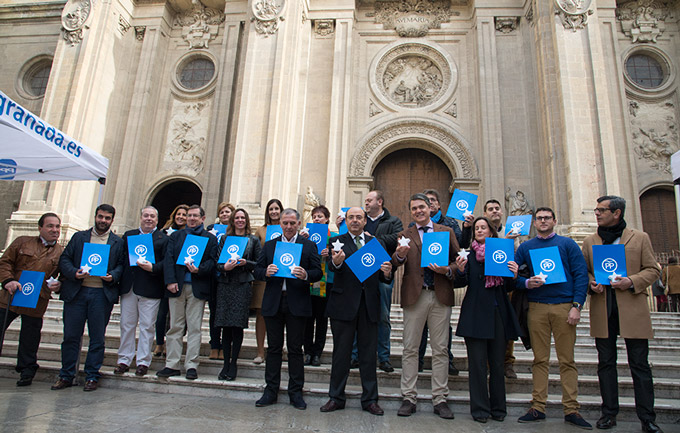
576, 305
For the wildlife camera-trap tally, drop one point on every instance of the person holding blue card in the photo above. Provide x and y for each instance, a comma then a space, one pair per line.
518, 225
554, 310
188, 287
285, 306
40, 254
620, 308
88, 298
487, 321
462, 204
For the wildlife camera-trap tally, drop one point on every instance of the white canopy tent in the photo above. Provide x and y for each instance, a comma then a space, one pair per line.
32, 149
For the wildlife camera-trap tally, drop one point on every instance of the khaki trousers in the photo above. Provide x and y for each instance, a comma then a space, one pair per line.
184, 310
438, 316
545, 320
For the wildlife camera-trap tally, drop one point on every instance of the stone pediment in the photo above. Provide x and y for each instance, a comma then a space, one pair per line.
412, 18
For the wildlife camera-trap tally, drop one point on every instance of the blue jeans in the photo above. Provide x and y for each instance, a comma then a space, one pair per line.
91, 305
384, 326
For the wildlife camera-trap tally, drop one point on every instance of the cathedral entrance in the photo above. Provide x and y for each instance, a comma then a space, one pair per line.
657, 206
175, 193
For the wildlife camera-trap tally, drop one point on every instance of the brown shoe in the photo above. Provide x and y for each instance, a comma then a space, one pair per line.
407, 408
443, 410
61, 384
220, 354
331, 406
141, 370
159, 351
214, 354
90, 385
510, 372
121, 368
374, 409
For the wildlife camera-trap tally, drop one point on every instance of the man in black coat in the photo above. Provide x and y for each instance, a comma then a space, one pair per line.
354, 307
286, 305
88, 299
188, 287
141, 290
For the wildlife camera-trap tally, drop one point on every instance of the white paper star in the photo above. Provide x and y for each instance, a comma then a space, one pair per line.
51, 281
614, 276
514, 230
464, 254
170, 231
214, 232
304, 230
292, 268
542, 276
404, 241
337, 245
86, 268
188, 260
466, 213
342, 214
141, 259
235, 256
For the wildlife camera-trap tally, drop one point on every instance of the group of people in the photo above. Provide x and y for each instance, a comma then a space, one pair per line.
325, 287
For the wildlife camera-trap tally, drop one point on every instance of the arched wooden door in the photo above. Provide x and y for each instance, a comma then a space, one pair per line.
659, 219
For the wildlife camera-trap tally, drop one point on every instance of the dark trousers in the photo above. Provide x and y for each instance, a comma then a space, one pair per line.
367, 339
90, 305
29, 340
215, 332
162, 321
232, 339
674, 303
487, 399
294, 327
638, 351
315, 341
423, 346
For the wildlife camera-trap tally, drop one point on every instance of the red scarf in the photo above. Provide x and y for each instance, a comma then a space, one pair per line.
489, 281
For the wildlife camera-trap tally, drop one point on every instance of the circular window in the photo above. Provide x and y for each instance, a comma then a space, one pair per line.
196, 73
34, 76
645, 71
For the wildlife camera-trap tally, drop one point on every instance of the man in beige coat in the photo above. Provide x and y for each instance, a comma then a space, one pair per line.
621, 308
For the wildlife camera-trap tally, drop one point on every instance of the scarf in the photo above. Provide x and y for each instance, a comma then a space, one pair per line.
489, 281
436, 217
610, 234
194, 231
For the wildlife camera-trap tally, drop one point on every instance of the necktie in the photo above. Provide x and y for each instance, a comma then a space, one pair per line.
357, 242
428, 273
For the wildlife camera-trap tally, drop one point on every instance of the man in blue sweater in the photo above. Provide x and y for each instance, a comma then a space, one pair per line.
554, 309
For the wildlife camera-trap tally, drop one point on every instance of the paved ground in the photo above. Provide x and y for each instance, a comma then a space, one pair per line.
37, 409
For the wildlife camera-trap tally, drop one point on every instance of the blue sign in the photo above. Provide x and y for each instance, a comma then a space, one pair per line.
31, 284
219, 230
497, 254
140, 247
435, 249
342, 228
519, 224
95, 259
548, 262
8, 168
192, 250
273, 232
462, 202
318, 233
233, 247
609, 261
287, 255
367, 260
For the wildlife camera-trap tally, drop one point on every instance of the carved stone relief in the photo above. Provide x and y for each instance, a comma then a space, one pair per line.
413, 18
199, 25
73, 19
324, 28
573, 13
506, 24
643, 20
452, 110
266, 16
655, 132
373, 109
186, 144
139, 32
529, 15
517, 203
123, 25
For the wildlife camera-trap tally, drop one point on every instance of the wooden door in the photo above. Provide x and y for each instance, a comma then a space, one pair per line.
659, 219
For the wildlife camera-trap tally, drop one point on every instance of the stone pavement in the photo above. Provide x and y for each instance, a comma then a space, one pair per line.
38, 409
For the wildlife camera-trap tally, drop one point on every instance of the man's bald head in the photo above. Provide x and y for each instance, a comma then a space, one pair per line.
355, 218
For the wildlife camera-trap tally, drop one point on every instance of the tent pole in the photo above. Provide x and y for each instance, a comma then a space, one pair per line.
101, 194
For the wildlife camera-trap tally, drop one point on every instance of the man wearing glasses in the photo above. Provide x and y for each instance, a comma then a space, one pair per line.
626, 295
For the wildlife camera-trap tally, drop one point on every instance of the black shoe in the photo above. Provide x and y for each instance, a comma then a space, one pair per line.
577, 420
354, 364
25, 381
316, 361
453, 371
651, 427
167, 372
420, 368
480, 419
267, 399
298, 402
308, 359
606, 422
386, 367
499, 418
191, 374
224, 374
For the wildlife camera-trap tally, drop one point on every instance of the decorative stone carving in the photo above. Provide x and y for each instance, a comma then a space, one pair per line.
304, 16
412, 18
186, 145
529, 15
139, 32
266, 16
517, 203
373, 109
655, 132
506, 24
123, 25
324, 28
73, 19
573, 13
452, 110
199, 25
311, 201
643, 20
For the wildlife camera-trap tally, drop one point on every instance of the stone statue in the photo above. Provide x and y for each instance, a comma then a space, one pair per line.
517, 204
311, 201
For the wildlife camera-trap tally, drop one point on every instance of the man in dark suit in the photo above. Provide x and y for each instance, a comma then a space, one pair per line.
88, 298
188, 287
286, 305
354, 307
141, 290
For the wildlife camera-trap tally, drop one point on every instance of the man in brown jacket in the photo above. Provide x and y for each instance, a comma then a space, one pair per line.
426, 297
670, 277
30, 253
621, 308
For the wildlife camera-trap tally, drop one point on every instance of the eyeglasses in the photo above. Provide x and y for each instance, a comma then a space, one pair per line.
544, 218
601, 209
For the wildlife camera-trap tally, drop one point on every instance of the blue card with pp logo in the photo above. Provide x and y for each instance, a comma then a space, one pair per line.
192, 250
547, 263
609, 261
95, 259
435, 249
31, 284
286, 256
140, 247
518, 224
342, 228
367, 260
219, 230
497, 253
273, 232
233, 248
462, 204
318, 233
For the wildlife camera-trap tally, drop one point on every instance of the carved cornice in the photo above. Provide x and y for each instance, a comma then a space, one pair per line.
506, 24
324, 28
199, 25
140, 31
643, 20
266, 16
573, 13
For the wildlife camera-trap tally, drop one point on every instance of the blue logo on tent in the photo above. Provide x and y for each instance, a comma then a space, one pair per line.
8, 168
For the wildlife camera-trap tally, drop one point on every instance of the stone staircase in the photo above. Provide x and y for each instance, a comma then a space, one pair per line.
664, 358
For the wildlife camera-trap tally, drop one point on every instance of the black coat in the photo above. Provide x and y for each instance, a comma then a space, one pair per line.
388, 230
299, 296
202, 281
69, 263
143, 283
345, 294
477, 311
240, 274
